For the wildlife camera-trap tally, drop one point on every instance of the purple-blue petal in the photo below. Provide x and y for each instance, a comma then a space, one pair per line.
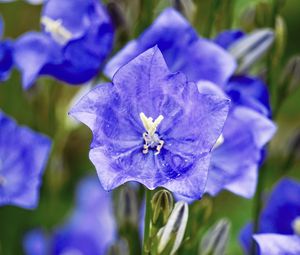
226, 38
32, 52
272, 244
249, 91
23, 156
282, 207
182, 49
36, 243
6, 59
245, 238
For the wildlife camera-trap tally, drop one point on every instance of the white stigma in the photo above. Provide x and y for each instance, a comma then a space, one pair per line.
58, 32
296, 225
150, 137
219, 142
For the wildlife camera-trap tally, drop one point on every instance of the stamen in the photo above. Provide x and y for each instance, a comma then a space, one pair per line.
296, 225
150, 137
55, 27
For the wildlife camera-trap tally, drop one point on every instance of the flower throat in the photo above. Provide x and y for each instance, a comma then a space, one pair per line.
151, 138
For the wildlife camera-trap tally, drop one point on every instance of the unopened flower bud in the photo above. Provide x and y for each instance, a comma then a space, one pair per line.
162, 204
280, 38
215, 240
291, 73
127, 206
263, 14
249, 49
174, 229
119, 248
186, 7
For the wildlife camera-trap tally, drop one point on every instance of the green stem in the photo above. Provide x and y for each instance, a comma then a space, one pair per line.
258, 203
211, 18
146, 247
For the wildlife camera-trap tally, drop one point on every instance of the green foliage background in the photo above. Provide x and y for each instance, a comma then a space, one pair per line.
44, 108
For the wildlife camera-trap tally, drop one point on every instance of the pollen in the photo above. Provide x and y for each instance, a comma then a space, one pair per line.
58, 32
151, 138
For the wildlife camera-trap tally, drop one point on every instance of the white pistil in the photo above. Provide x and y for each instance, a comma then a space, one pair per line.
150, 137
219, 142
296, 225
58, 32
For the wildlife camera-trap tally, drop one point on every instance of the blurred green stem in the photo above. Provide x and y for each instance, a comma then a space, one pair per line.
214, 6
262, 175
146, 244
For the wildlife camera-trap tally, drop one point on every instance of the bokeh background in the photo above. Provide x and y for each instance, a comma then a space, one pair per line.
44, 108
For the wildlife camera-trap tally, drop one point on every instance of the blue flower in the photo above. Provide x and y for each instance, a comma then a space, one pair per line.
182, 48
91, 228
152, 127
23, 157
6, 59
77, 37
238, 153
281, 218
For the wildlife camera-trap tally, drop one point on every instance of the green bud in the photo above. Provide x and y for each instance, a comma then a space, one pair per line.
215, 240
249, 49
291, 74
280, 38
162, 204
119, 248
171, 235
127, 207
263, 14
186, 7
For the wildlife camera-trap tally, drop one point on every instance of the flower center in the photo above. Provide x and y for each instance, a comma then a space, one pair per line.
151, 138
296, 225
58, 32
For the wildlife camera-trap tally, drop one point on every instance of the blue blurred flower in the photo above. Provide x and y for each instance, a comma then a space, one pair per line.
240, 150
279, 222
77, 37
23, 157
91, 228
6, 59
182, 48
239, 153
152, 127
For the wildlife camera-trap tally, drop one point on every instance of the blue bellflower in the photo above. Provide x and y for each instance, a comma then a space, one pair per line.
77, 36
6, 59
238, 156
23, 157
91, 228
238, 153
279, 222
152, 127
